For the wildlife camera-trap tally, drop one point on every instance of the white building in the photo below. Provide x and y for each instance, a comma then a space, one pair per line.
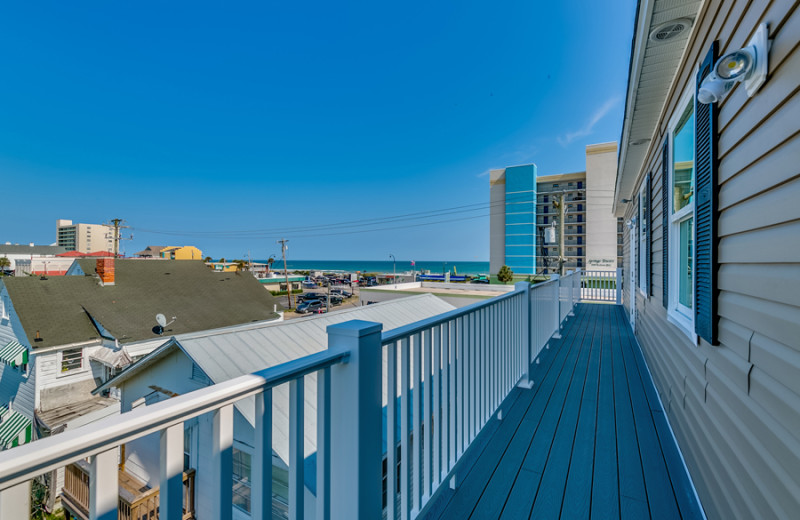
86, 238
16, 252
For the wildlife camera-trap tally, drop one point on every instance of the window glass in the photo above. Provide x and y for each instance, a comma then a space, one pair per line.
241, 480
71, 359
683, 160
685, 291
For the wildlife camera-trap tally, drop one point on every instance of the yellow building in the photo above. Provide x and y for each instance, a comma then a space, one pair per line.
181, 253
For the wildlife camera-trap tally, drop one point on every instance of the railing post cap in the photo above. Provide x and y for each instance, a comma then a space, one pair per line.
522, 286
554, 276
355, 328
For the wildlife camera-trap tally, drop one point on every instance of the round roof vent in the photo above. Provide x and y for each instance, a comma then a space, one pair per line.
670, 30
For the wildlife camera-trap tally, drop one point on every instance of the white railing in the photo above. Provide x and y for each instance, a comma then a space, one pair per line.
602, 286
444, 379
99, 441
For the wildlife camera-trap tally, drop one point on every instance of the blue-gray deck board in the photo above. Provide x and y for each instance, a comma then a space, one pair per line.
589, 440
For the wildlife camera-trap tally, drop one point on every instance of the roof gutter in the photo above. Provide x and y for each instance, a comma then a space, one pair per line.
644, 15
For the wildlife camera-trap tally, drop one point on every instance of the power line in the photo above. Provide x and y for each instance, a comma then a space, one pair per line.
271, 233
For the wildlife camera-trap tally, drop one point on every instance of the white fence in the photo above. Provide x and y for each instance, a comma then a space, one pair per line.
445, 378
602, 286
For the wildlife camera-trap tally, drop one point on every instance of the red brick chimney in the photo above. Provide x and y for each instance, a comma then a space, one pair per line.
105, 270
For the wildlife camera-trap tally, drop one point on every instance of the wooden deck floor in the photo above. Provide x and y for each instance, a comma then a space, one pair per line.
589, 440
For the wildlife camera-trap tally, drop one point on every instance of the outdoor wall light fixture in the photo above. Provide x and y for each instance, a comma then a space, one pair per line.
748, 64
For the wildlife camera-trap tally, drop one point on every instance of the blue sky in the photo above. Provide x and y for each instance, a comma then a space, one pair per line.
229, 126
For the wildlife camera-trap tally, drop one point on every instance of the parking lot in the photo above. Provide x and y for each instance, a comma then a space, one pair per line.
351, 302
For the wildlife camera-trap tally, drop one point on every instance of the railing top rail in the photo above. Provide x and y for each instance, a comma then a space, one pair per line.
418, 326
29, 460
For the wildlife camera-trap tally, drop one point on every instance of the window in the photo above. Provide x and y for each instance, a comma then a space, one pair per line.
555, 185
71, 359
546, 209
545, 219
546, 199
241, 480
187, 448
580, 218
580, 185
580, 229
642, 245
580, 251
3, 308
580, 207
681, 217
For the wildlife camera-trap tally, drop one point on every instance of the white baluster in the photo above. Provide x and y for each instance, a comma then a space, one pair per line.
405, 445
296, 450
437, 405
391, 427
261, 490
222, 463
324, 444
416, 416
104, 485
171, 473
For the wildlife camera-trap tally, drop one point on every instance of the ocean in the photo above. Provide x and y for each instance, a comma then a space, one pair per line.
382, 266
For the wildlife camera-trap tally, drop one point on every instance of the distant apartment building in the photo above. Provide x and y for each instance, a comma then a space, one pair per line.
526, 228
86, 238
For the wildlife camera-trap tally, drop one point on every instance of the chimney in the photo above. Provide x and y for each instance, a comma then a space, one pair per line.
105, 270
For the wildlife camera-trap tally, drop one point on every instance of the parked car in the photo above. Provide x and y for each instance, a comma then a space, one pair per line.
340, 292
479, 280
307, 297
310, 306
308, 284
335, 300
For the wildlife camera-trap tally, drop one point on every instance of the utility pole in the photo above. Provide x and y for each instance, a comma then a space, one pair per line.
284, 247
561, 212
117, 223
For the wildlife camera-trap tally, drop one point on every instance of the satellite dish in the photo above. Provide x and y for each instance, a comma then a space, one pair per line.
158, 329
161, 319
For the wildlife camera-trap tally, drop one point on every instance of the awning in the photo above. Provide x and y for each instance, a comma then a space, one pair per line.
15, 429
113, 358
14, 354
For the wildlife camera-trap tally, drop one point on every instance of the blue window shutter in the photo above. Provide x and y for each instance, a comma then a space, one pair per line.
648, 220
705, 235
666, 196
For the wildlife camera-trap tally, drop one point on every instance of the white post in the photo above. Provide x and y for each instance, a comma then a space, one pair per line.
171, 472
15, 502
618, 285
104, 486
525, 289
557, 286
323, 444
571, 289
355, 394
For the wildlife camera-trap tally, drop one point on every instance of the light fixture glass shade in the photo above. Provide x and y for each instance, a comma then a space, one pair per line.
737, 64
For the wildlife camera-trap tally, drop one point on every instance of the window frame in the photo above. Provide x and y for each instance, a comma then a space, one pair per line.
677, 313
246, 483
641, 244
82, 368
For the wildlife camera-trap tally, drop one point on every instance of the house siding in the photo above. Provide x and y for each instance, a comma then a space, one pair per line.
735, 407
16, 388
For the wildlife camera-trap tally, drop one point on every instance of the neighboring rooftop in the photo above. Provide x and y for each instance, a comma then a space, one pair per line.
30, 249
150, 252
61, 309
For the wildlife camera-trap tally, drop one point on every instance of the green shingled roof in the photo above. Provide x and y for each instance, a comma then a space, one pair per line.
199, 298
